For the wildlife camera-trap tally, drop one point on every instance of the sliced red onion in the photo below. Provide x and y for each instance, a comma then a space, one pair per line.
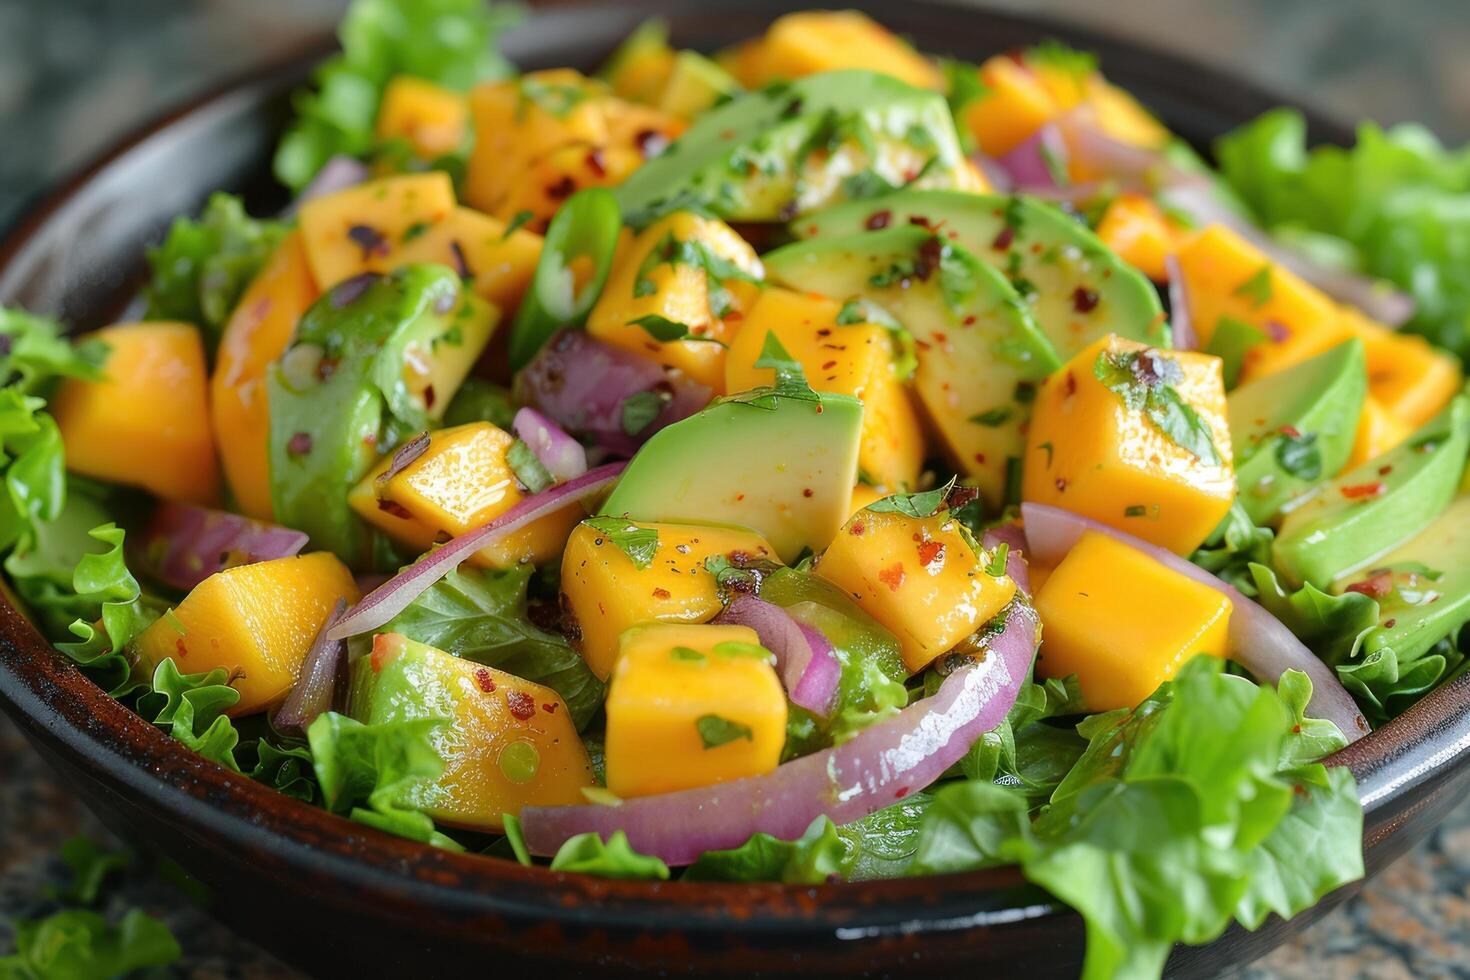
337, 174
1181, 323
1258, 641
583, 385
183, 545
995, 175
1032, 165
881, 764
804, 656
322, 683
1014, 538
563, 456
1374, 297
394, 596
1126, 165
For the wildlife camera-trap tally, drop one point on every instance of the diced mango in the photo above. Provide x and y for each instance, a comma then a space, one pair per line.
864, 494
510, 743
1227, 276
475, 245
1379, 430
1141, 234
462, 481
432, 119
851, 359
1407, 375
1123, 622
362, 228
605, 590
256, 621
654, 278
146, 423
1088, 452
691, 706
256, 334
919, 577
1120, 115
639, 69
814, 41
1015, 104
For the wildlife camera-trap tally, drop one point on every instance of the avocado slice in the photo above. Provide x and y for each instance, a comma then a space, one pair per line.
358, 378
1348, 522
979, 350
1424, 595
781, 461
1076, 288
695, 84
1292, 428
797, 146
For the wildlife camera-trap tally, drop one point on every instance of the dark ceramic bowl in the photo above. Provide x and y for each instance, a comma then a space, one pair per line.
335, 897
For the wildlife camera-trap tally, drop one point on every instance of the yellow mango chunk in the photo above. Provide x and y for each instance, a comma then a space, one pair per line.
1227, 276
690, 706
605, 590
1134, 227
146, 423
918, 577
1088, 452
1120, 115
432, 119
1014, 106
498, 266
461, 482
864, 494
851, 359
255, 336
652, 278
1407, 375
1122, 622
814, 41
362, 228
1379, 430
256, 621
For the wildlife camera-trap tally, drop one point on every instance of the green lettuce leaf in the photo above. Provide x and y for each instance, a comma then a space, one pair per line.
34, 352
588, 854
191, 707
377, 765
90, 864
481, 616
1231, 548
287, 768
1024, 753
75, 944
814, 858
102, 579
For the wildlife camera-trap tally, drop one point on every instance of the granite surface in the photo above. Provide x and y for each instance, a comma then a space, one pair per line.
74, 74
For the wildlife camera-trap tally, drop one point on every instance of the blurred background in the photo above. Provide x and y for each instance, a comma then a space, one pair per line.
76, 74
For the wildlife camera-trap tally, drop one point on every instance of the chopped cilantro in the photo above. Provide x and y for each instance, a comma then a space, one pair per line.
735, 648
640, 544
715, 731
1135, 510
664, 330
519, 221
920, 505
1257, 288
641, 408
1146, 380
1298, 454
994, 417
529, 471
686, 653
996, 567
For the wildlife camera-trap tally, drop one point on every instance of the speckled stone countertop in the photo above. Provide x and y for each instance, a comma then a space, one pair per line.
75, 74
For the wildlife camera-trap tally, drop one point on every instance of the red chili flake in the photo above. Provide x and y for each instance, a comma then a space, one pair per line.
429, 396
595, 162
969, 320
941, 336
1061, 485
326, 367
1084, 300
1385, 469
562, 189
828, 365
806, 491
1361, 490
369, 239
1277, 330
461, 266
856, 527
892, 576
484, 680
1004, 239
395, 508
650, 143
1070, 386
824, 332
550, 709
1377, 586
179, 646
1389, 624
521, 704
926, 260
739, 497
661, 593
920, 220
930, 552
300, 444
901, 792
1290, 431
980, 458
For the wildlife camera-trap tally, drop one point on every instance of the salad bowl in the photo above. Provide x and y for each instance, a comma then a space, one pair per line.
335, 897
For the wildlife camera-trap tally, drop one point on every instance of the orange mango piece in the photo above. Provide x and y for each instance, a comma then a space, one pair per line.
1134, 227
360, 229
1379, 430
1407, 375
813, 41
146, 424
1015, 105
498, 265
432, 119
256, 621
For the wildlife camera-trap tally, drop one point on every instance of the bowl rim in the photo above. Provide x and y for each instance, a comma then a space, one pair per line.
52, 700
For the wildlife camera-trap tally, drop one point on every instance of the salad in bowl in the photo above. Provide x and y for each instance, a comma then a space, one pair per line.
811, 461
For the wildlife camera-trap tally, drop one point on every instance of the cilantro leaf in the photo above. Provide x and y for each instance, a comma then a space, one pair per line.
641, 408
1299, 455
640, 544
1146, 380
715, 731
816, 857
921, 505
666, 331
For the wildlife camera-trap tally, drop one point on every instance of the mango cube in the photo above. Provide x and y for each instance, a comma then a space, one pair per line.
605, 589
661, 275
432, 119
1090, 452
918, 577
813, 41
462, 481
690, 706
851, 359
1015, 104
1123, 622
1142, 235
1407, 375
256, 621
509, 742
1379, 430
362, 228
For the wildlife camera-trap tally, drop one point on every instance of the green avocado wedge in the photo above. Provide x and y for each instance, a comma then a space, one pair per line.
1076, 288
1349, 522
1292, 428
979, 351
781, 461
793, 147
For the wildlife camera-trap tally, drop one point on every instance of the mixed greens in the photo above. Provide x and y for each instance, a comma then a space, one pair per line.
812, 462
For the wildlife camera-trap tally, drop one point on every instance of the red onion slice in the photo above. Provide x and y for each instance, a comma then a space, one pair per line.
183, 545
584, 386
563, 456
322, 684
1181, 322
1258, 641
1032, 165
804, 656
1013, 536
337, 174
394, 595
881, 764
